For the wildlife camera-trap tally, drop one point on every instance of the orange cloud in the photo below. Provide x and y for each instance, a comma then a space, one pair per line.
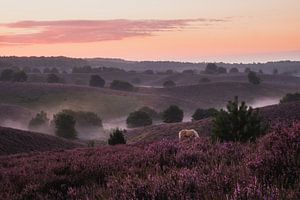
83, 31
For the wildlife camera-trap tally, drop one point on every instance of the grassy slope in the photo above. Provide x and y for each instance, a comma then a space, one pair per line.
288, 111
14, 141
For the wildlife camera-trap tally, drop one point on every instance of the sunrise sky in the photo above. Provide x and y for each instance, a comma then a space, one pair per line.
183, 30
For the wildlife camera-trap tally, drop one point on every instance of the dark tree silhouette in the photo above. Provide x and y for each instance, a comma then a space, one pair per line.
65, 125
253, 78
172, 114
169, 84
138, 119
238, 123
117, 137
97, 81
121, 85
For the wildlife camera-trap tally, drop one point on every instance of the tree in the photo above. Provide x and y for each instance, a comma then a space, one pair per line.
290, 98
121, 85
117, 137
19, 76
204, 113
53, 78
188, 71
65, 125
84, 118
172, 114
97, 81
138, 119
253, 78
151, 112
169, 84
149, 71
7, 75
211, 68
238, 123
54, 71
234, 70
39, 121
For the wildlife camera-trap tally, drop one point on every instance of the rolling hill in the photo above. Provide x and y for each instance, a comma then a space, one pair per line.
271, 114
13, 141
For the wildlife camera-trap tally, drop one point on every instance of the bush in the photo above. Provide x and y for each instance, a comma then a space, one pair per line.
211, 68
253, 78
53, 78
275, 71
117, 137
138, 119
188, 71
169, 84
172, 114
238, 123
151, 112
234, 70
85, 119
39, 121
65, 125
290, 98
204, 113
121, 85
97, 81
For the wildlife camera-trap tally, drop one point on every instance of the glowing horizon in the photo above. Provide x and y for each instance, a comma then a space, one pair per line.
192, 30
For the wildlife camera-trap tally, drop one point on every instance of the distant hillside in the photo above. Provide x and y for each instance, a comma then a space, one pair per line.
13, 141
65, 63
272, 114
62, 63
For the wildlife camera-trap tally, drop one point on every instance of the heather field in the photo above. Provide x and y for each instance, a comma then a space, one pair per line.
167, 169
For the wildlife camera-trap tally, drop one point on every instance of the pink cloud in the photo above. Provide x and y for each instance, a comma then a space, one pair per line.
79, 31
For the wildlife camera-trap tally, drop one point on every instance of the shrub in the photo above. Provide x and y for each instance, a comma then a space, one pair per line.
188, 71
151, 112
117, 137
238, 123
65, 125
121, 85
138, 119
211, 68
275, 71
290, 98
53, 78
85, 119
168, 84
253, 78
172, 114
234, 70
149, 71
97, 81
204, 113
39, 121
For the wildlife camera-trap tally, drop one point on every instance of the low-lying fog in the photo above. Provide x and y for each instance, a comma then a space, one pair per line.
103, 134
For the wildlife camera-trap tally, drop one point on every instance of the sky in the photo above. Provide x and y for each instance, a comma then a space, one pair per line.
180, 30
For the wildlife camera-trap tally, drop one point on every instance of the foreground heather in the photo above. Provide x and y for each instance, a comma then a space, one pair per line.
268, 169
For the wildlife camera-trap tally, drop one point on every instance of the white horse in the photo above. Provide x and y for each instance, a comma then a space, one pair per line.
188, 134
